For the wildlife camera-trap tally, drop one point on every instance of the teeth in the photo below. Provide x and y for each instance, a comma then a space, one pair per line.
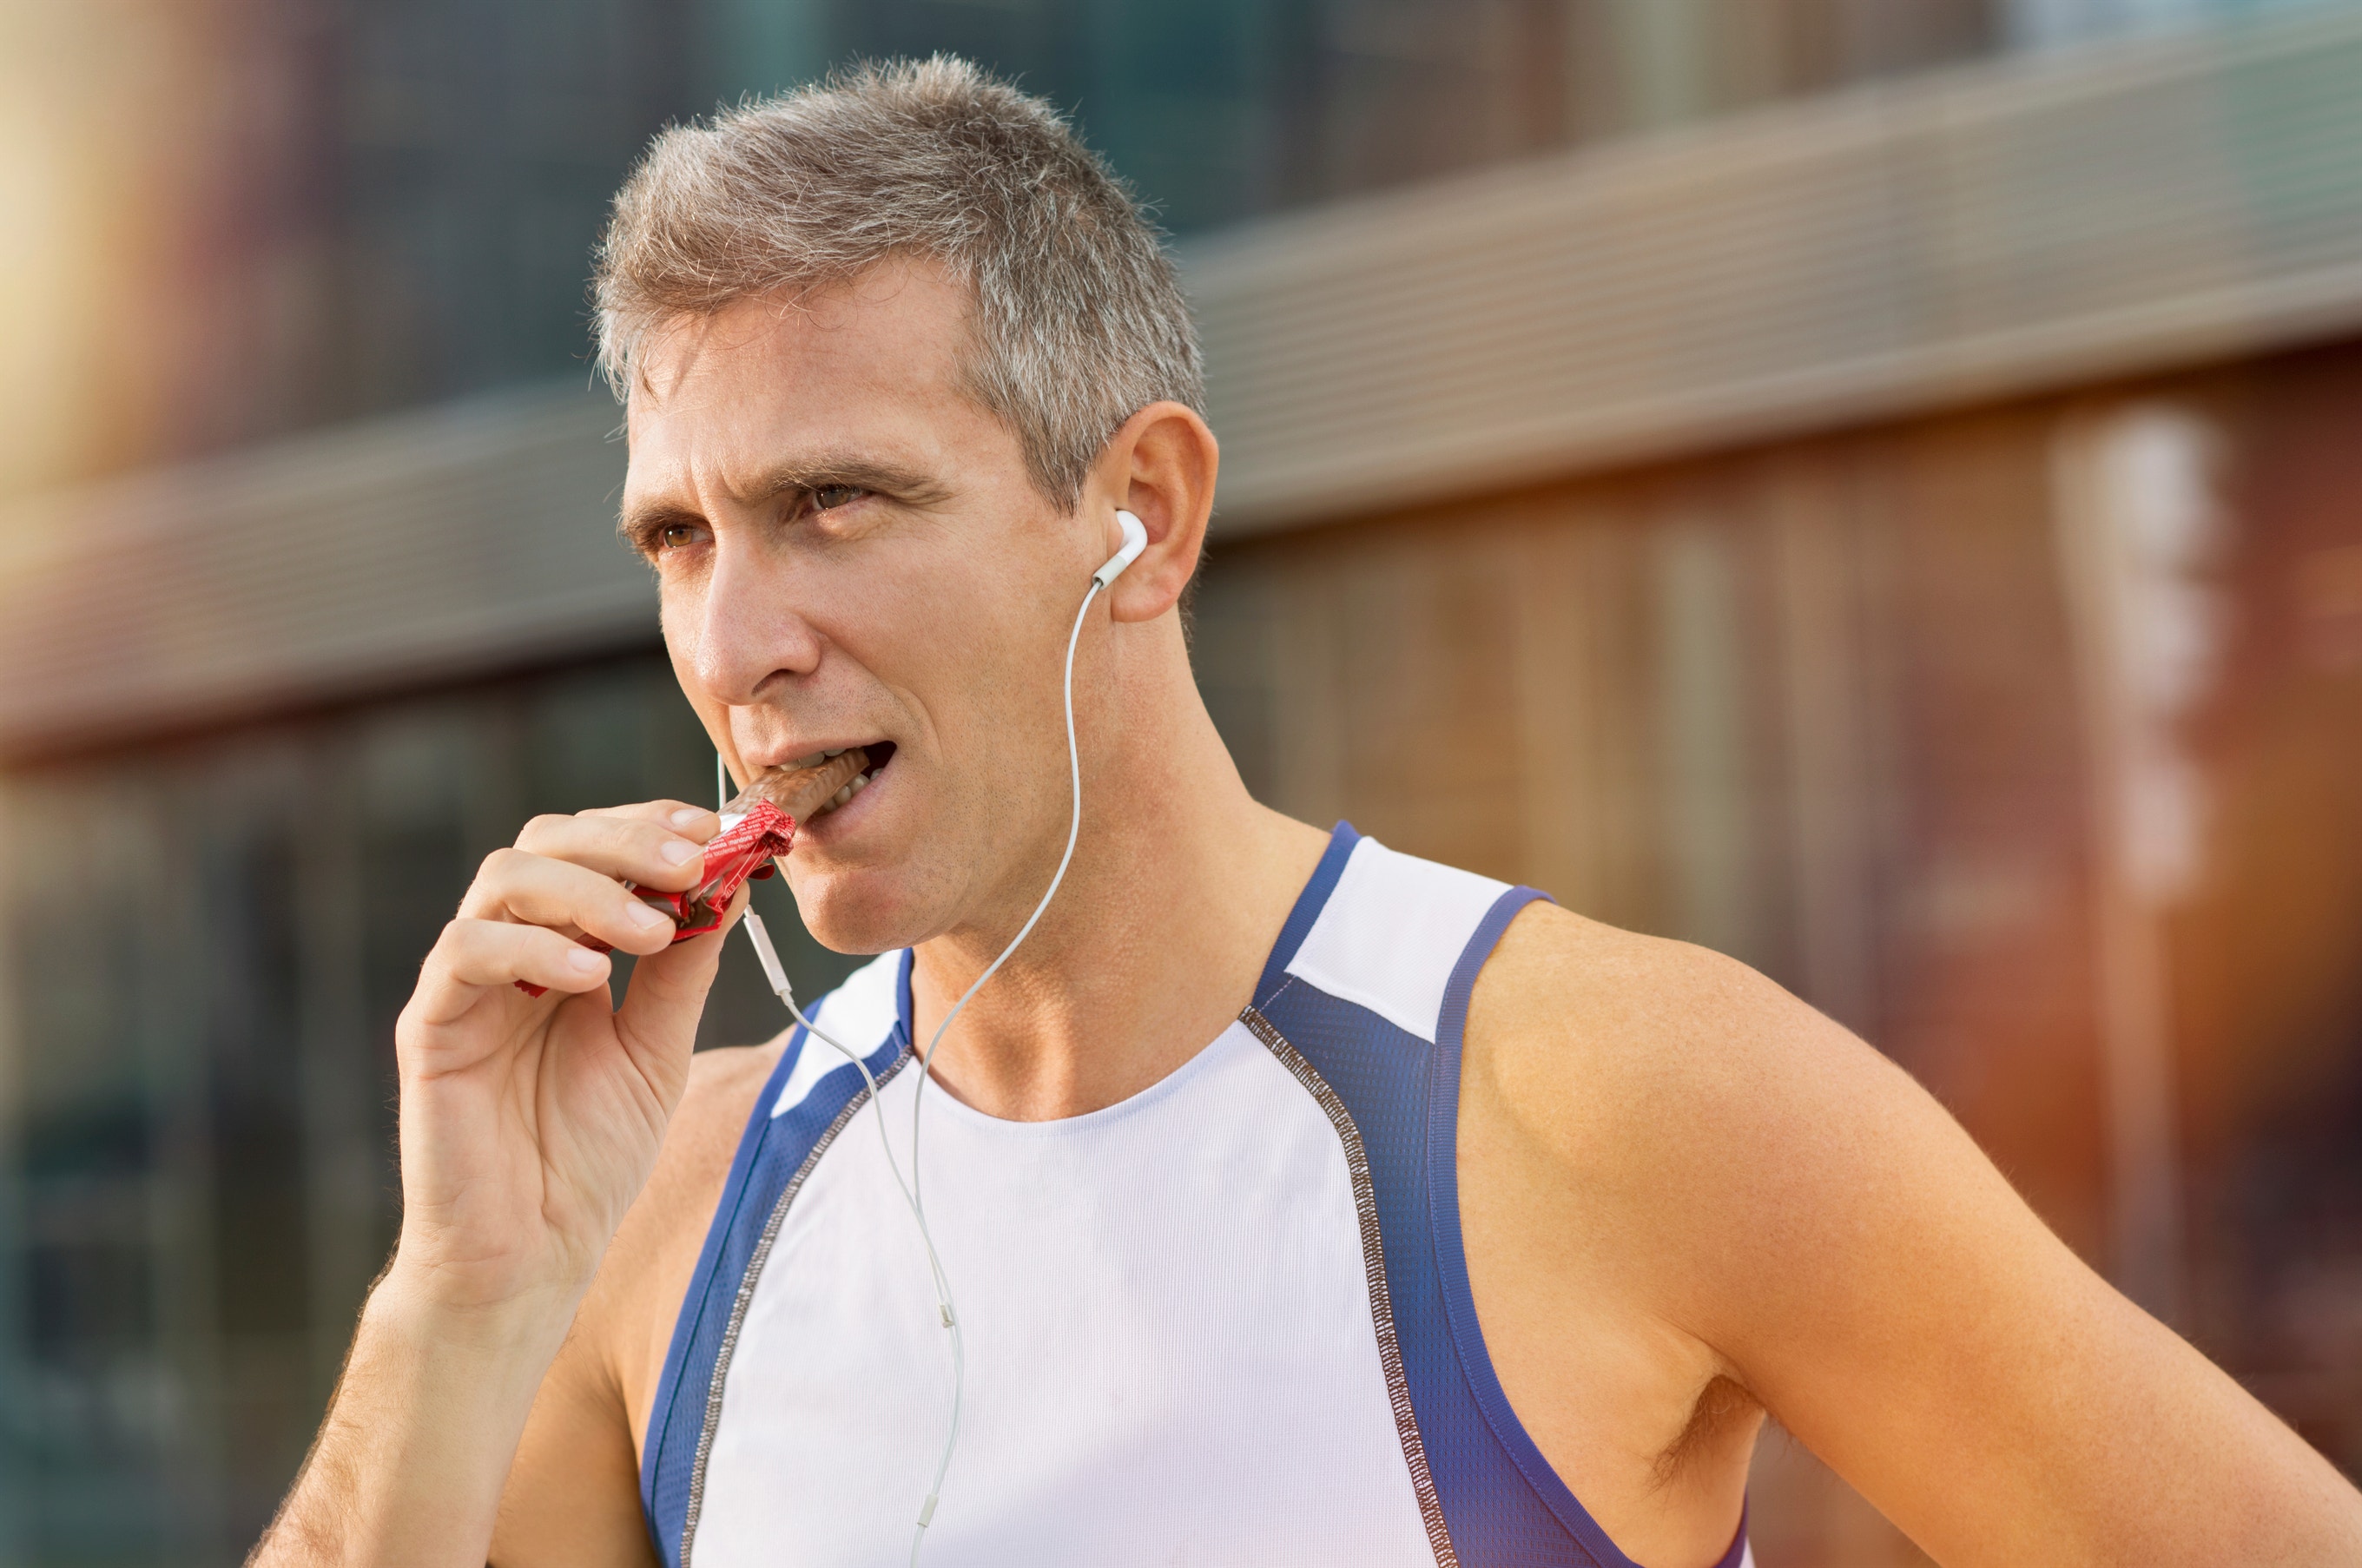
838, 752
860, 782
812, 761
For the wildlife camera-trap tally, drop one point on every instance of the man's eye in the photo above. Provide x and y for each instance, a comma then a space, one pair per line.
673, 536
829, 497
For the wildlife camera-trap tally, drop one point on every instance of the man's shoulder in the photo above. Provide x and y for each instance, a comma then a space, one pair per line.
1632, 1054
1661, 1129
647, 1267
1554, 969
704, 1131
725, 1077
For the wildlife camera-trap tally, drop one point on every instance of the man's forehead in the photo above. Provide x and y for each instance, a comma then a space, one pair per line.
843, 365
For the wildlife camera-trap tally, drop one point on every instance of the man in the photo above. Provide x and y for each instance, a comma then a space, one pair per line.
1302, 1202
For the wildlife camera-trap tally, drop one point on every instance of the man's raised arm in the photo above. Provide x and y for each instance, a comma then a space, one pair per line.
529, 1124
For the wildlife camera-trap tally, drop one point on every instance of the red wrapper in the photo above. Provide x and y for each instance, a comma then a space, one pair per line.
741, 853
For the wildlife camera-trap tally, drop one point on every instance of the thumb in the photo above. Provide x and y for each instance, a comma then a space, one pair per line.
667, 994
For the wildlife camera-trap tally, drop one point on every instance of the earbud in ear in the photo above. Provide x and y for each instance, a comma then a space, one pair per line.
1135, 539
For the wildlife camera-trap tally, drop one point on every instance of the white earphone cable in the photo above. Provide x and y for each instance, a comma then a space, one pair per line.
776, 973
1074, 827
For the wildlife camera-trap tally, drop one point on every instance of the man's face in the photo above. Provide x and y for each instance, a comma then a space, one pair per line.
850, 552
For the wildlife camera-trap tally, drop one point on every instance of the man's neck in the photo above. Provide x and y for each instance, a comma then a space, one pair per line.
1154, 942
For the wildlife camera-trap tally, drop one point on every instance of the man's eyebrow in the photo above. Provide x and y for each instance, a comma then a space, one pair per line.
850, 469
802, 474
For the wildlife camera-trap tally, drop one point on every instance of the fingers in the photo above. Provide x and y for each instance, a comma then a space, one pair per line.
474, 954
565, 877
690, 821
515, 885
646, 849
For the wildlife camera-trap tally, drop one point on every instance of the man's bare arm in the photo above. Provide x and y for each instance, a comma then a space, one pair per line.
1805, 1214
528, 1127
406, 1467
573, 1491
573, 1494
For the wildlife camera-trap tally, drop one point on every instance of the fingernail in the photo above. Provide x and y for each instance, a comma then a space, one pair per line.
586, 962
688, 816
646, 918
677, 852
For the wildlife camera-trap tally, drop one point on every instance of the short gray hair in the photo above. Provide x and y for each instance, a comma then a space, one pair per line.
1077, 320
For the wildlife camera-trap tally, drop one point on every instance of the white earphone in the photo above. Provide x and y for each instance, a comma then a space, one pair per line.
1135, 540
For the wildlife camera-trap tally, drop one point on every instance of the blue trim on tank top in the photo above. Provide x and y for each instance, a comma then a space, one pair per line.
1475, 1360
1504, 1505
695, 1304
1451, 1253
770, 1150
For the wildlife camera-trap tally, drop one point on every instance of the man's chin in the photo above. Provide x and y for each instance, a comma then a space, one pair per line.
859, 908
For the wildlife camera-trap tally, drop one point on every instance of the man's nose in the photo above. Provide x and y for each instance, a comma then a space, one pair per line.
748, 634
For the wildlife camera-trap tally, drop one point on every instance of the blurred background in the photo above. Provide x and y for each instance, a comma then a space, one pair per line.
1873, 486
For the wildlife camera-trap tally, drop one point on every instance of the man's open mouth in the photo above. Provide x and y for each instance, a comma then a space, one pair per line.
880, 753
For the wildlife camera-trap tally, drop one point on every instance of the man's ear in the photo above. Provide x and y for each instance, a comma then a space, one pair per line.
1159, 468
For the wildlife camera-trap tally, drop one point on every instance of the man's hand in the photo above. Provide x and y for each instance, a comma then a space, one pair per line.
528, 1126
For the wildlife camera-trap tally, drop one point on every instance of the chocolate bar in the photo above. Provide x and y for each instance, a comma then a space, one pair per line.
757, 827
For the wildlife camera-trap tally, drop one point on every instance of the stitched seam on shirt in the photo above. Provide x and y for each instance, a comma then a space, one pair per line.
1373, 1262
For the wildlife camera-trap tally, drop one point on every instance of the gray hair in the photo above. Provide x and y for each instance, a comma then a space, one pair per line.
1078, 321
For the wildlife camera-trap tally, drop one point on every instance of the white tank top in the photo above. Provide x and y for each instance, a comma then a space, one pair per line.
1225, 1322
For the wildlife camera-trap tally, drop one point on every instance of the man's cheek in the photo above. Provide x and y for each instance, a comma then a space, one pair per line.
683, 636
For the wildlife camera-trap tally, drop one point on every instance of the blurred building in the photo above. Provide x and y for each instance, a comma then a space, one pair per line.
1867, 486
